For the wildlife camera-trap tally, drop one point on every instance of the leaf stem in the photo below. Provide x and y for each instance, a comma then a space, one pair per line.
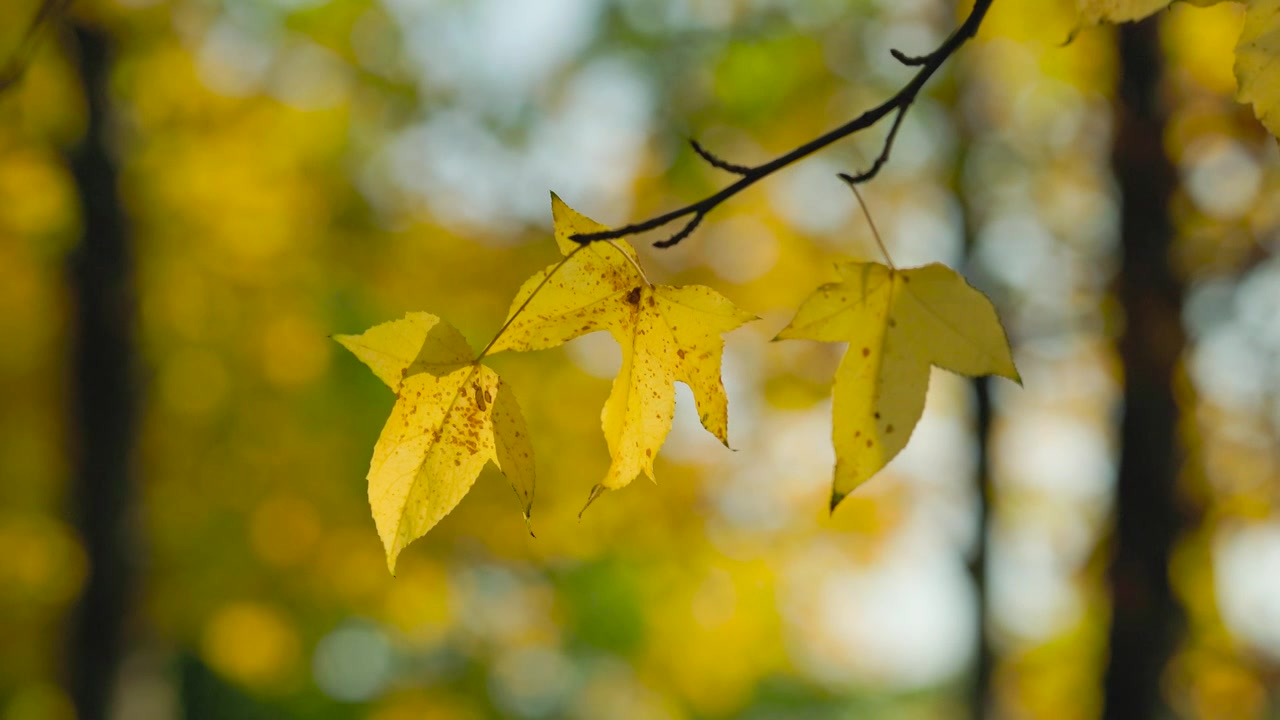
876, 233
634, 264
898, 105
525, 304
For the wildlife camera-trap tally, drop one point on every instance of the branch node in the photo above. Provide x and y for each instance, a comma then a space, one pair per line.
685, 232
883, 157
717, 162
909, 60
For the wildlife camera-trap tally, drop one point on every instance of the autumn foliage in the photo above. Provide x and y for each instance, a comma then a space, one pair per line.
447, 424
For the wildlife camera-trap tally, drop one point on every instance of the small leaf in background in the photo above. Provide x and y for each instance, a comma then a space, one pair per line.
1092, 12
667, 334
452, 415
1256, 68
898, 323
1258, 62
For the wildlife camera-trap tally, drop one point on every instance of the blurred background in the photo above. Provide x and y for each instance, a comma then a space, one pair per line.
194, 194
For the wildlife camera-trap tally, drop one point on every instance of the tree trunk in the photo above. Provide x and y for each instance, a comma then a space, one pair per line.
103, 396
979, 695
980, 690
1145, 616
984, 657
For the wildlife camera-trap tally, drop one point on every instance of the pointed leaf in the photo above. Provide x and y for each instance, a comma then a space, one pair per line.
897, 323
433, 446
667, 334
418, 343
452, 415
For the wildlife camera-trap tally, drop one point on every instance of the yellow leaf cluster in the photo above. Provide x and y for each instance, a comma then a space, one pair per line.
453, 414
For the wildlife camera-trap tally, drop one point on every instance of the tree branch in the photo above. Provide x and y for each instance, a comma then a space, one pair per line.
12, 71
901, 102
716, 161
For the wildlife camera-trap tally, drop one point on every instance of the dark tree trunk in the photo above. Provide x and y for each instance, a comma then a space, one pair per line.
979, 691
984, 656
980, 694
1145, 615
103, 396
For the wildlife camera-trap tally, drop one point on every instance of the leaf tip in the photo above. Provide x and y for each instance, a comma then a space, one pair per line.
836, 497
596, 492
529, 526
1010, 373
393, 546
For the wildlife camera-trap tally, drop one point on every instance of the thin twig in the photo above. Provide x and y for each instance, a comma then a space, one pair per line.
900, 102
908, 60
716, 162
883, 157
685, 232
529, 299
16, 67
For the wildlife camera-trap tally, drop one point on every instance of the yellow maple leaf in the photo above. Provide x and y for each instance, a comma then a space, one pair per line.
452, 415
667, 334
1258, 62
897, 323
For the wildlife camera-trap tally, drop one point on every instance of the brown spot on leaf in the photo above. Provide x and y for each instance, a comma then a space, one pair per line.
888, 429
866, 352
868, 442
633, 297
877, 416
